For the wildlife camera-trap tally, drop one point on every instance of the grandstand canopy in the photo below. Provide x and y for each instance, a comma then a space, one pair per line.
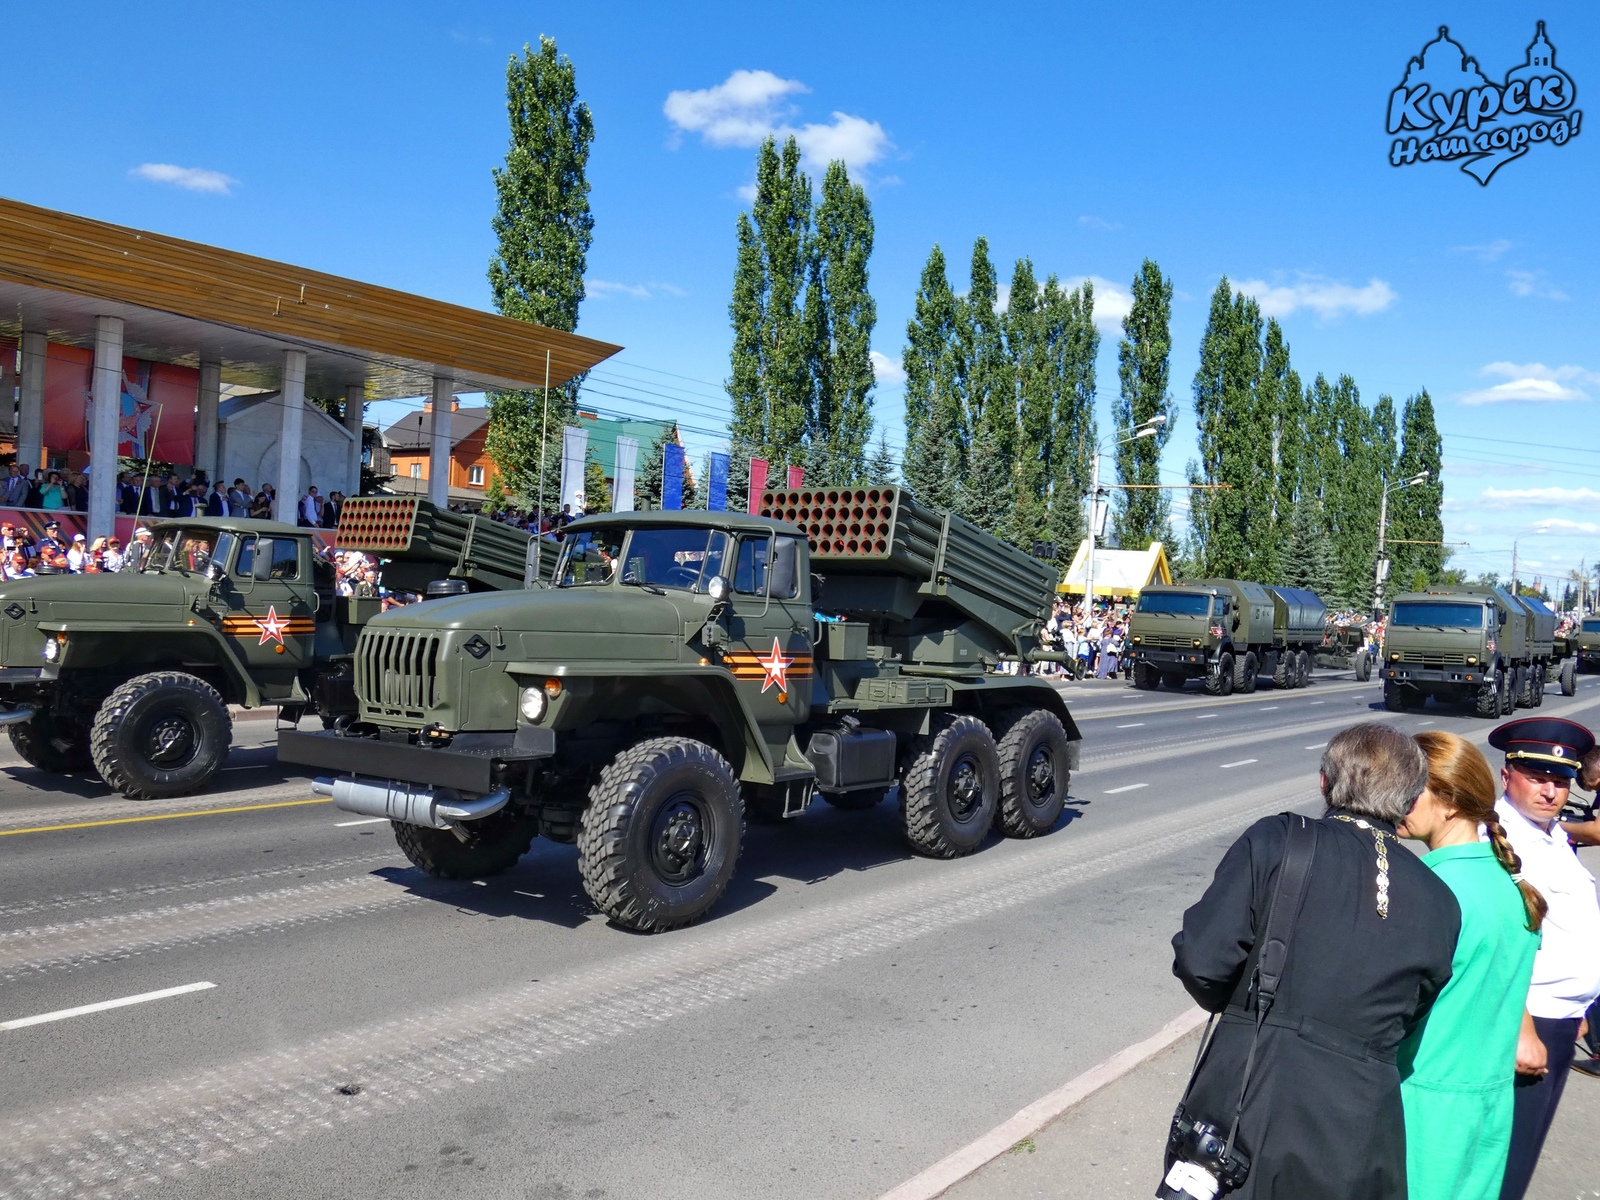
1117, 572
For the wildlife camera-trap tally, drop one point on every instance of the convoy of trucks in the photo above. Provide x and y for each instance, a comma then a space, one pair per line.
1226, 632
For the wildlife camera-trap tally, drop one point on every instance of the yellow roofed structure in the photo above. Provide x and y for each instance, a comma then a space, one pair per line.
1117, 573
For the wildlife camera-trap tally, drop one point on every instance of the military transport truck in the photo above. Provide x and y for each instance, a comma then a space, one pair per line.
1227, 632
132, 673
1465, 643
1584, 642
688, 669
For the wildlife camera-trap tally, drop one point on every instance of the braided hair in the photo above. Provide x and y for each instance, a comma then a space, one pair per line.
1459, 775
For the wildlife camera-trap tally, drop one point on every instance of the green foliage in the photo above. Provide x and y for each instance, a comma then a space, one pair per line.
880, 470
840, 421
1307, 560
647, 481
494, 495
1351, 492
1415, 513
936, 434
544, 229
1143, 367
987, 377
596, 491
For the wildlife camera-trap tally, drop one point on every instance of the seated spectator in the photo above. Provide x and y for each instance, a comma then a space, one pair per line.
78, 554
16, 566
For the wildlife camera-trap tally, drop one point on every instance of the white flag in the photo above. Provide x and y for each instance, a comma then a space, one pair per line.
574, 447
622, 489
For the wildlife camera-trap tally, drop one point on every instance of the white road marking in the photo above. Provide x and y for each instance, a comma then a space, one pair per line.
1127, 787
1135, 725
363, 821
1205, 716
85, 1009
1314, 703
1429, 722
1243, 762
1318, 746
1268, 708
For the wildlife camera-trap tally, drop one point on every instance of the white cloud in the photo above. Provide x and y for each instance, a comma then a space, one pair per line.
1532, 283
192, 179
606, 289
751, 105
1529, 497
1111, 302
1100, 223
1532, 381
885, 370
1487, 252
1559, 526
1326, 297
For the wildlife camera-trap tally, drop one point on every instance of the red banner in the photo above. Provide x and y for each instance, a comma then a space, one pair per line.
797, 478
758, 483
157, 409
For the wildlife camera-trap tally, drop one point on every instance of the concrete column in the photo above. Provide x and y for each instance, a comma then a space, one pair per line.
205, 420
292, 395
439, 439
354, 400
30, 409
104, 427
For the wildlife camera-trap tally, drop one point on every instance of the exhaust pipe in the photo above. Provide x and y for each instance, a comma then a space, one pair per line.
443, 808
17, 715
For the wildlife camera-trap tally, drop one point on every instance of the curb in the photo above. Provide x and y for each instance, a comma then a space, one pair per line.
968, 1160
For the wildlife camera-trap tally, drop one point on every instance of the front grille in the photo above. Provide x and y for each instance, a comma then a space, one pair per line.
397, 671
1420, 658
1166, 641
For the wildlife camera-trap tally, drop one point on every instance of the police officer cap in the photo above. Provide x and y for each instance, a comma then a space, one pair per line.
1548, 744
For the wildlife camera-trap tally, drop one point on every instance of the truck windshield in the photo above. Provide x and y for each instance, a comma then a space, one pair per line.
1455, 616
663, 558
1592, 625
1183, 604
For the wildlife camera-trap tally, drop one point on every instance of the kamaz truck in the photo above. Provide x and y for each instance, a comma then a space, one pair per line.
131, 674
1478, 645
1584, 643
687, 670
1226, 632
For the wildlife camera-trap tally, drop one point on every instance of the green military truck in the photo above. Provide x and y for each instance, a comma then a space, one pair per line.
1226, 632
1470, 644
687, 669
131, 674
1583, 643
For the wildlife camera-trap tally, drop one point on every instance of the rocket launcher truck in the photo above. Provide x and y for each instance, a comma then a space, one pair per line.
682, 672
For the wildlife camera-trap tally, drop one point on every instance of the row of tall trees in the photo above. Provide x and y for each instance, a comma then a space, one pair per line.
1304, 467
1000, 401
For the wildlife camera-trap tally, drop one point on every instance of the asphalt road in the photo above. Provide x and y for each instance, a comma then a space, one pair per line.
848, 1015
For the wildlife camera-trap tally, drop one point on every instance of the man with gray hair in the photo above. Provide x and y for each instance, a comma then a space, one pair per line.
1370, 949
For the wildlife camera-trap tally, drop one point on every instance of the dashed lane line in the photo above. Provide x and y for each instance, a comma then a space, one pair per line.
198, 812
1243, 762
1135, 725
83, 1010
1205, 716
1318, 746
1127, 787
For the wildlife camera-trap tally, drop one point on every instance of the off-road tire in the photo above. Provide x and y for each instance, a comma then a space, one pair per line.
660, 839
1145, 677
46, 742
1569, 678
1363, 667
1251, 672
1539, 676
484, 848
1174, 681
1220, 683
1283, 670
1400, 697
1034, 775
950, 787
1487, 701
161, 734
859, 801
1302, 674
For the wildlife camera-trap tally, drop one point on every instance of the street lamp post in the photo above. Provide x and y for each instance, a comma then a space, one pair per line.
1383, 522
1147, 430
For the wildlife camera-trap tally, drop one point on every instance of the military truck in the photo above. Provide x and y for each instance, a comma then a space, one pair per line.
1584, 643
132, 673
1551, 656
1226, 632
1463, 643
1344, 648
687, 670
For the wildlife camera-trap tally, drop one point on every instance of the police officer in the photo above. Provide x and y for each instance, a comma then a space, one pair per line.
1542, 757
1587, 833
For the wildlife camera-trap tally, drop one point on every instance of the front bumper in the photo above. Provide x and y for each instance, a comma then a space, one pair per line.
1177, 658
1435, 676
467, 764
28, 675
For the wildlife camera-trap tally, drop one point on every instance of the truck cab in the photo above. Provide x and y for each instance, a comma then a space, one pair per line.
1455, 644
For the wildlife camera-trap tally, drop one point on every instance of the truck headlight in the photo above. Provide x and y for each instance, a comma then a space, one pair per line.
1472, 660
533, 705
53, 647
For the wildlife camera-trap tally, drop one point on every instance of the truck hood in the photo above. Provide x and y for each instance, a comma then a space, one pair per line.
594, 610
131, 598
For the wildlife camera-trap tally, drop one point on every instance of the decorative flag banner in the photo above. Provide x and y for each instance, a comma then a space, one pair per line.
672, 476
149, 390
717, 484
758, 483
574, 449
622, 486
797, 478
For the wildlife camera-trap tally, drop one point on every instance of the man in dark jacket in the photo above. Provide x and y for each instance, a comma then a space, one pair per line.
1370, 951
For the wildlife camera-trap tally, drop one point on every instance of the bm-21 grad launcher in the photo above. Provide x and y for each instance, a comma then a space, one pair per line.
684, 670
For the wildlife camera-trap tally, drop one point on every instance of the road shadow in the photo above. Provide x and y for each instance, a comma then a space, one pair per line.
247, 768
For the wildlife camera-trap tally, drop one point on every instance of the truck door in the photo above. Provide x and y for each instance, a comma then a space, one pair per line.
270, 618
770, 627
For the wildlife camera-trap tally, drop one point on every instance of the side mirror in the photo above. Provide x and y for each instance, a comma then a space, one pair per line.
1502, 618
261, 564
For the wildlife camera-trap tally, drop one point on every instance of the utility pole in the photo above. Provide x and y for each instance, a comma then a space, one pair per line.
1381, 571
1149, 429
1514, 565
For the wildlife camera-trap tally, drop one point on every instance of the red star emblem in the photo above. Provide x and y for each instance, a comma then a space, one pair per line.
271, 626
776, 667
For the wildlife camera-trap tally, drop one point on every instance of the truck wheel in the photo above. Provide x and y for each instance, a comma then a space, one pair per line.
484, 848
1363, 668
161, 734
856, 801
1488, 699
1251, 672
1283, 670
1303, 669
47, 742
1220, 682
1569, 678
1033, 773
1174, 681
1398, 697
1536, 684
660, 838
950, 787
1145, 677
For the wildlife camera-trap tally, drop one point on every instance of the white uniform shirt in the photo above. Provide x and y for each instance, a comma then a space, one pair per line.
1566, 971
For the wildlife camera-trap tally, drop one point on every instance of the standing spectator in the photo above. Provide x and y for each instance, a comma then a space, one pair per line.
1457, 1068
1085, 651
331, 509
52, 539
17, 565
261, 506
310, 508
127, 495
111, 559
134, 559
52, 496
239, 499
217, 502
78, 554
36, 490
1542, 756
1321, 1118
17, 486
78, 492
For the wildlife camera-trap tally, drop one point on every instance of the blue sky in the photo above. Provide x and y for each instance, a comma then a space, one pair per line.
1237, 139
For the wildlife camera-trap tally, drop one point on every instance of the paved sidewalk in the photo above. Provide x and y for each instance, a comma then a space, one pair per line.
1109, 1147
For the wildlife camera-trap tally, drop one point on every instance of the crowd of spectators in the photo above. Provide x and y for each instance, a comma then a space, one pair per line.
164, 495
1095, 639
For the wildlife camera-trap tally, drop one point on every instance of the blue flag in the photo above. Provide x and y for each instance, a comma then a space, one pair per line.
672, 476
717, 496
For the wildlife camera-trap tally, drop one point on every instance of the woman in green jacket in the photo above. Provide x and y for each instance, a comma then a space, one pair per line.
1458, 1066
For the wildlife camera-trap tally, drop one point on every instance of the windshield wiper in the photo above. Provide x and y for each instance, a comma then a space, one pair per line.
635, 581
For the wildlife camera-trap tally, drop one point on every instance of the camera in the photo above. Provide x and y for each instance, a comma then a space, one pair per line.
1202, 1168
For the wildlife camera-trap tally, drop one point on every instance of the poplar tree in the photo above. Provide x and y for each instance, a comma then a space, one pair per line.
840, 421
544, 229
1415, 513
1143, 366
986, 493
1073, 354
936, 433
1028, 330
1350, 493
